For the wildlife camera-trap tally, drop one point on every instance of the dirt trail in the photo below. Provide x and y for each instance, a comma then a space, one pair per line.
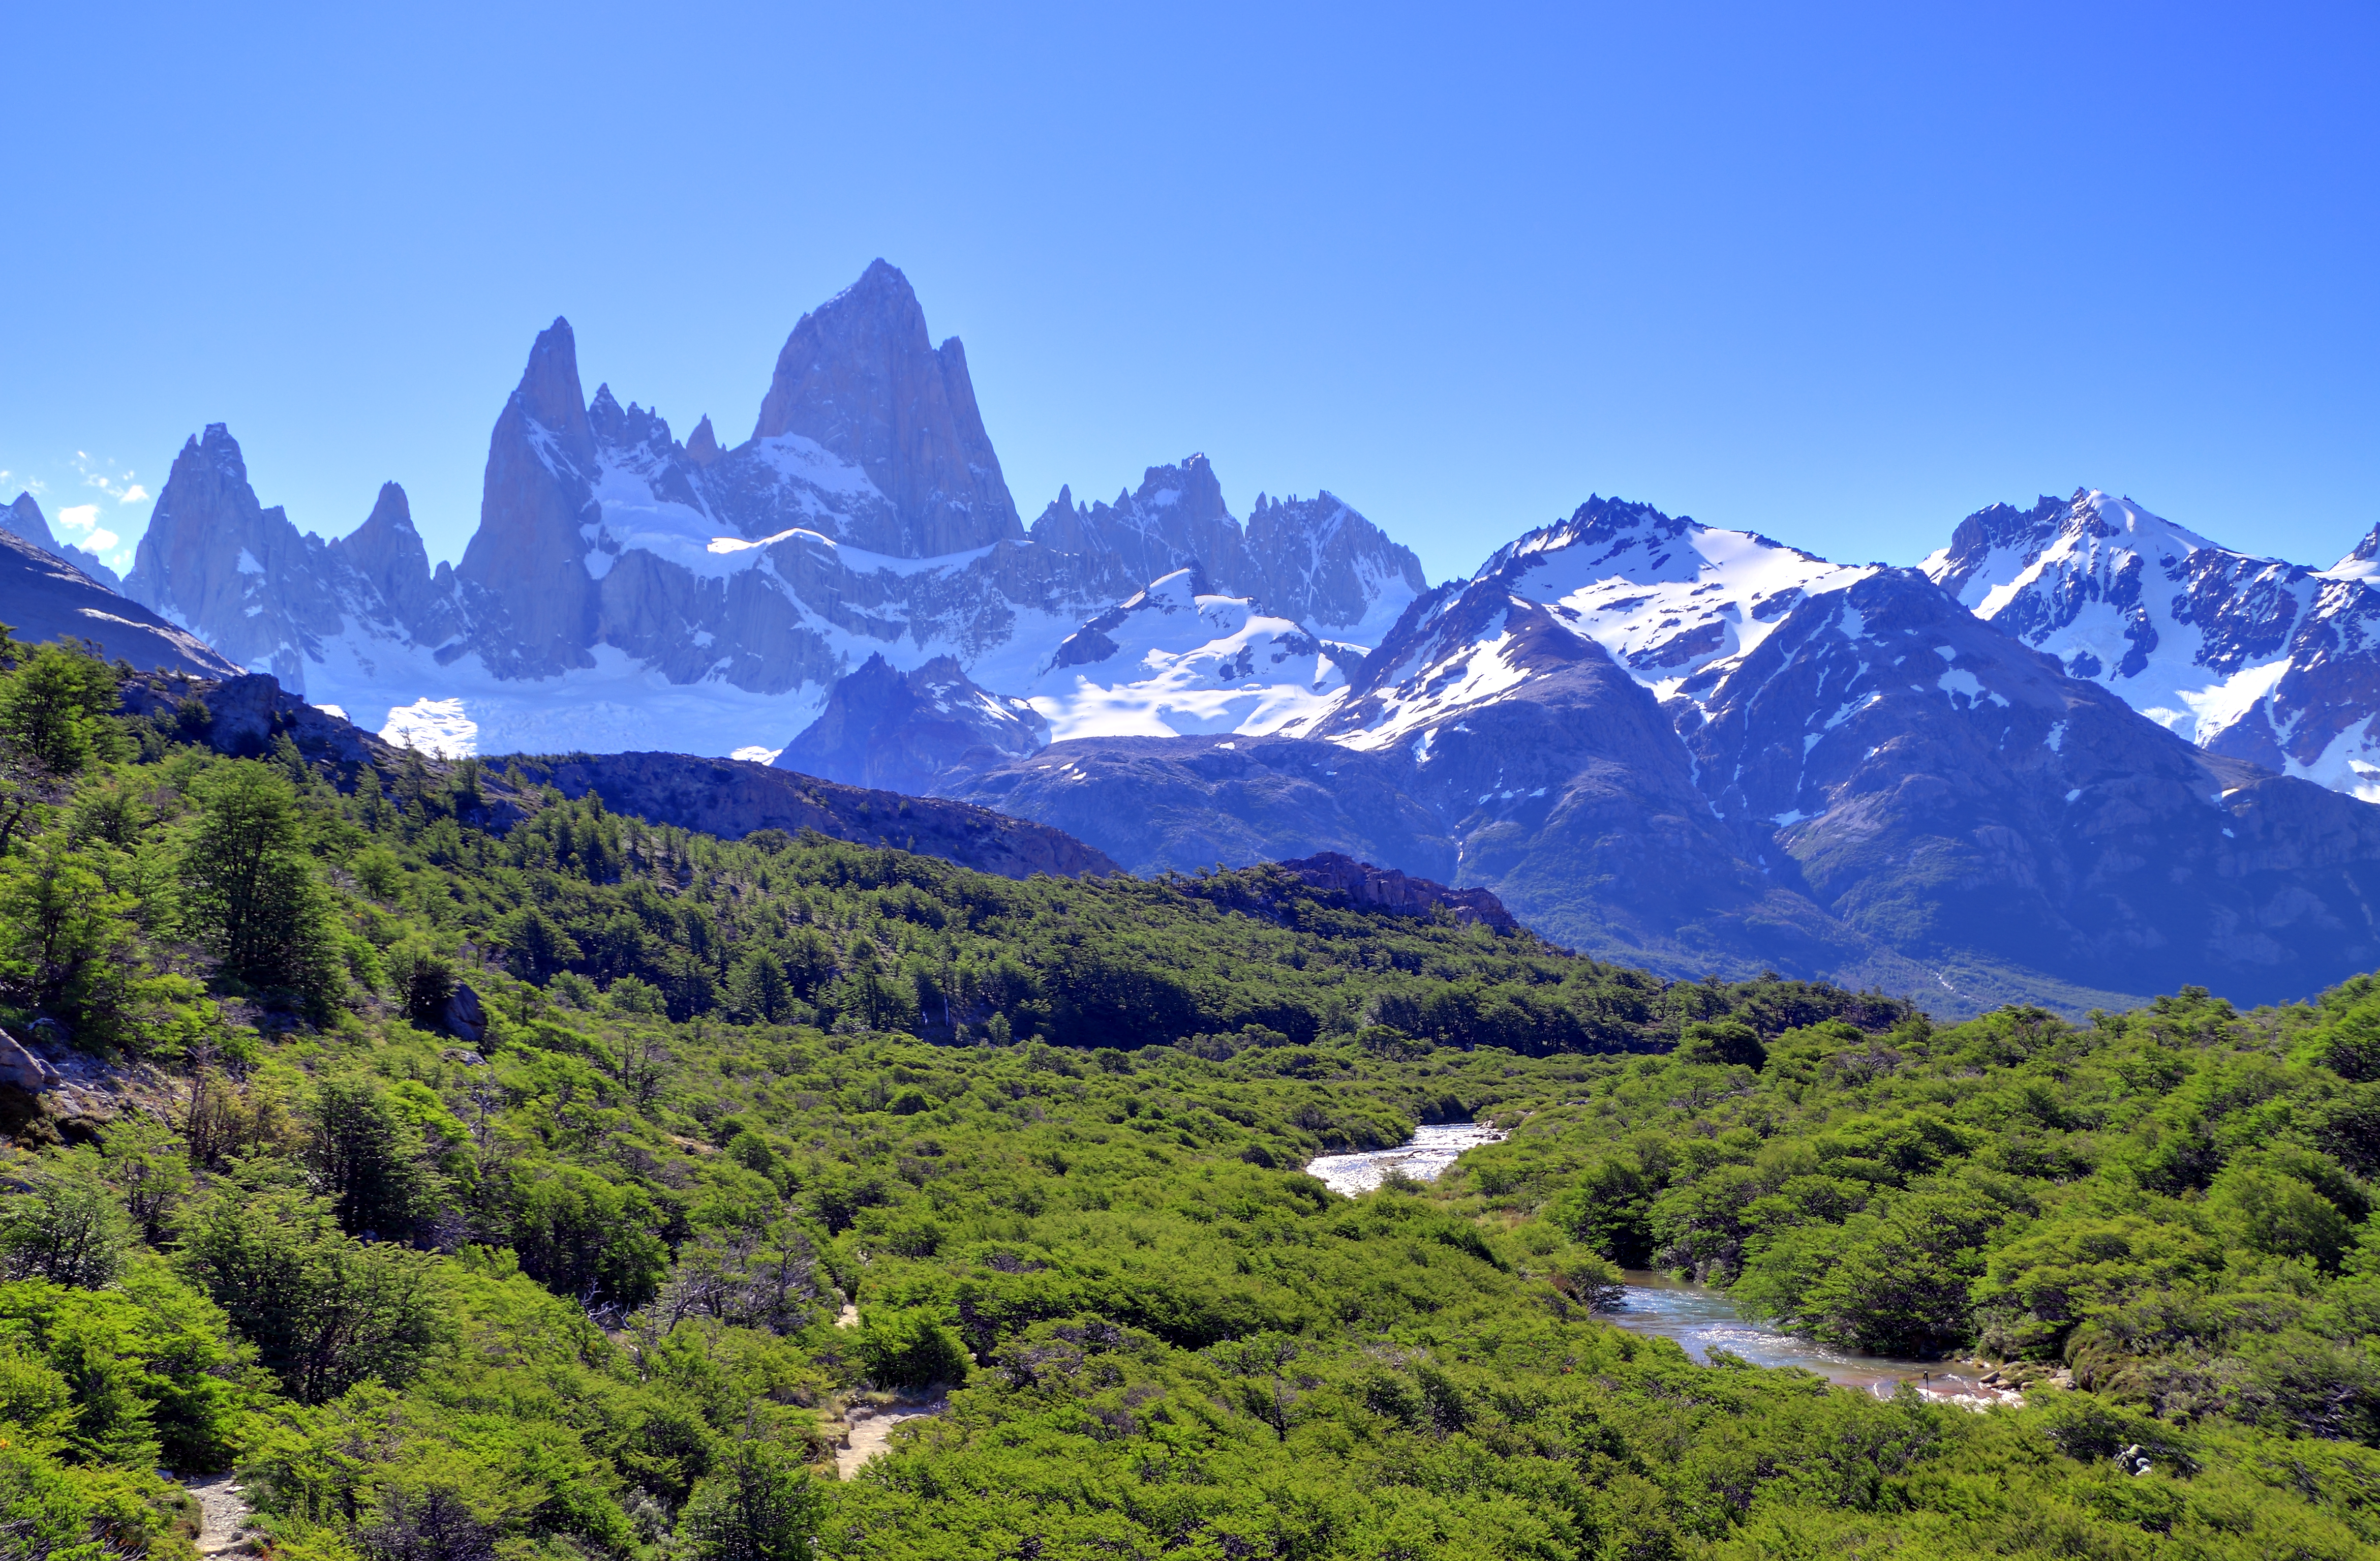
871, 1428
226, 1514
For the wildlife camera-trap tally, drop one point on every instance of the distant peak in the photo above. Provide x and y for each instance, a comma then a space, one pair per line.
391, 509
549, 390
702, 444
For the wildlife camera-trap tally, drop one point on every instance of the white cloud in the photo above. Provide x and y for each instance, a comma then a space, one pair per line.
102, 539
118, 486
79, 516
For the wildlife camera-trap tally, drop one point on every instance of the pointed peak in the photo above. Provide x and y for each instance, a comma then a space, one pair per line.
702, 444
391, 509
549, 389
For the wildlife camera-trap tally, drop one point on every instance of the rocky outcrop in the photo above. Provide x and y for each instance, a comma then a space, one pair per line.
1390, 890
1318, 561
1315, 561
238, 574
44, 597
732, 799
465, 1016
860, 379
904, 732
24, 518
21, 1069
386, 555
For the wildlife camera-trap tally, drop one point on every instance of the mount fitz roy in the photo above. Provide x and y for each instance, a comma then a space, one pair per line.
625, 590
2068, 759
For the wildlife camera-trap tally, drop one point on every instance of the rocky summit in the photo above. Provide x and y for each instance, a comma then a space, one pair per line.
625, 590
2246, 656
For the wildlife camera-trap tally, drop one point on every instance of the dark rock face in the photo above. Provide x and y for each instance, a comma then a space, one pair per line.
1386, 889
731, 799
860, 378
1318, 561
24, 517
535, 502
44, 597
466, 1017
904, 731
1946, 792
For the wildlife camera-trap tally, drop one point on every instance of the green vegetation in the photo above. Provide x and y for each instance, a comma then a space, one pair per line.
577, 1286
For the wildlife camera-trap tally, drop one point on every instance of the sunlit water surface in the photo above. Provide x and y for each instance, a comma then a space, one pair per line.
1700, 1319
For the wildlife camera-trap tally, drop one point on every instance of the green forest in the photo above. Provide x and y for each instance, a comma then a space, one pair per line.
748, 1140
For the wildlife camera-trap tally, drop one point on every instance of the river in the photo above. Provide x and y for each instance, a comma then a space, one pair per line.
1699, 1318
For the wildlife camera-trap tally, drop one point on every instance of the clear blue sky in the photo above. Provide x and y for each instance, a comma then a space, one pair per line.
1838, 274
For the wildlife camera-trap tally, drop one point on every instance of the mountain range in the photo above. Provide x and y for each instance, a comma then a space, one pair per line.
2077, 755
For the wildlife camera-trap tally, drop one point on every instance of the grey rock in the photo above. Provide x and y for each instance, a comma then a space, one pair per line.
465, 1018
859, 376
21, 1069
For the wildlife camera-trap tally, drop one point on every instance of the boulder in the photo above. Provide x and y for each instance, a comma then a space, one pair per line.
20, 1069
466, 1017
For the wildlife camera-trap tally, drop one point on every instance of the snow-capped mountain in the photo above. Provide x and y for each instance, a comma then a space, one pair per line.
2254, 657
1700, 748
628, 590
1181, 658
24, 518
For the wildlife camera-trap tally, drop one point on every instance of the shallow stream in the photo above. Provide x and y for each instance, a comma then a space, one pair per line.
1699, 1318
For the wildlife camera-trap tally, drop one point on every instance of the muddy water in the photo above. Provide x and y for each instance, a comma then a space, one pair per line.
1697, 1317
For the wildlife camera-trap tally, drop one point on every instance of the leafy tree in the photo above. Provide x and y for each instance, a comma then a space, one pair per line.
248, 887
368, 1160
64, 1227
325, 1312
761, 1504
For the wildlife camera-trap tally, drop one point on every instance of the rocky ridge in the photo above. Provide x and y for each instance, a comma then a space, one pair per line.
625, 590
2254, 657
24, 517
1696, 748
44, 597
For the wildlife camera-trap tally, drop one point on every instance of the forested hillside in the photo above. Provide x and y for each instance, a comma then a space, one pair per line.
574, 1281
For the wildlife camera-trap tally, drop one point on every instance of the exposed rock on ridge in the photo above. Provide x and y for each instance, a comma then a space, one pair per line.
860, 378
2245, 655
904, 731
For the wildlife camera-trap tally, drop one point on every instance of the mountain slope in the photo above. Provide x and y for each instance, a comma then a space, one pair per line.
1698, 748
2244, 655
44, 597
24, 518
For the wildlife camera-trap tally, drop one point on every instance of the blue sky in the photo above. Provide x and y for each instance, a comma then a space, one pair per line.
1838, 274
